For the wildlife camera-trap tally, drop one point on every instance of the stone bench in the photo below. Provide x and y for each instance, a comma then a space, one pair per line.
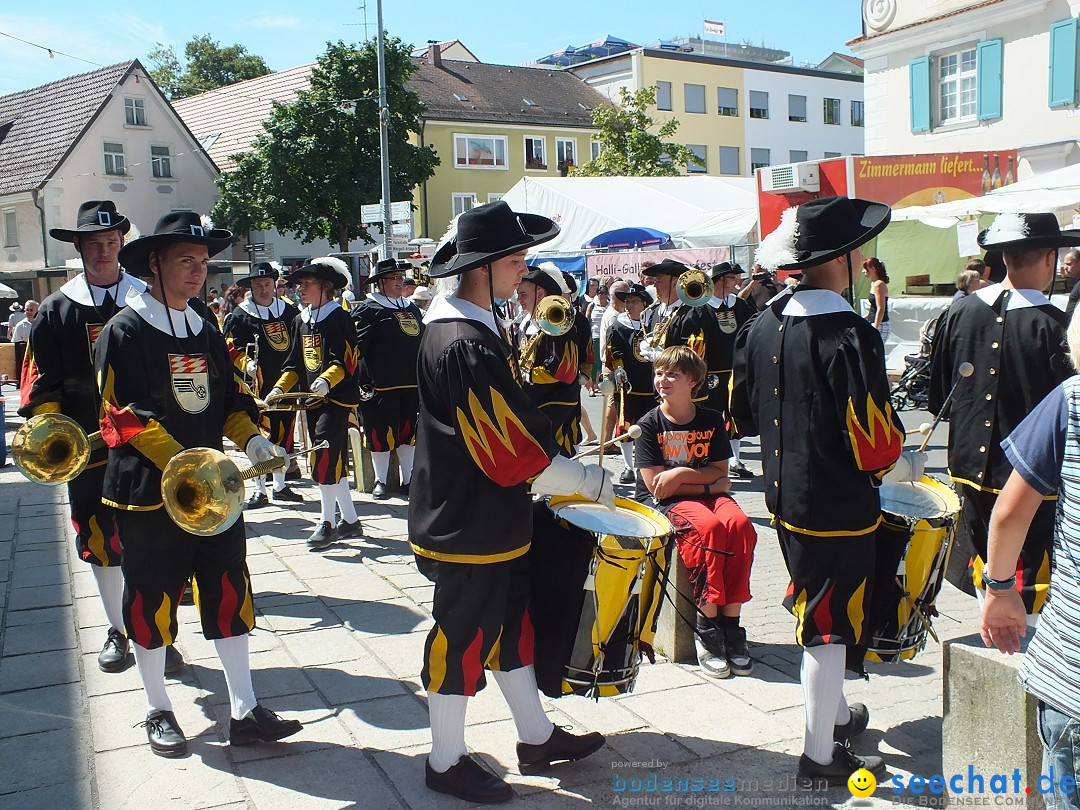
365, 481
674, 637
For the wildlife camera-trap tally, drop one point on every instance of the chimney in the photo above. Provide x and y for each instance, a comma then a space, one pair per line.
435, 53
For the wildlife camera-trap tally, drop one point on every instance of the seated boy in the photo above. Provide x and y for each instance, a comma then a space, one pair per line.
682, 455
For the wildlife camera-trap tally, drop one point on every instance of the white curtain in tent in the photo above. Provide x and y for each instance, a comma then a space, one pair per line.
696, 211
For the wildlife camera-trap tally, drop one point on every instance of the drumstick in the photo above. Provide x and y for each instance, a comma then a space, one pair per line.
632, 432
922, 617
965, 370
607, 389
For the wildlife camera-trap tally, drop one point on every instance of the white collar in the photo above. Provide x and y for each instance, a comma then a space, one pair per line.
450, 307
324, 310
388, 303
625, 319
728, 301
807, 303
153, 312
79, 290
1022, 299
251, 308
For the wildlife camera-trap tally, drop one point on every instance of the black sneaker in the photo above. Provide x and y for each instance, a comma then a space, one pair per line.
561, 746
164, 734
856, 724
627, 476
709, 645
380, 493
737, 469
736, 651
345, 529
469, 781
258, 500
325, 535
286, 494
114, 655
261, 725
845, 762
174, 660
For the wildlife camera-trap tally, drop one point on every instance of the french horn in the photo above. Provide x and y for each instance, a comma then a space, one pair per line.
52, 448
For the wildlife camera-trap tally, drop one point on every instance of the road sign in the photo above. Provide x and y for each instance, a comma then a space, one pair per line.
251, 248
399, 212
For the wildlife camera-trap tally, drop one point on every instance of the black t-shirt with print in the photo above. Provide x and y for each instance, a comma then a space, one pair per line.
663, 443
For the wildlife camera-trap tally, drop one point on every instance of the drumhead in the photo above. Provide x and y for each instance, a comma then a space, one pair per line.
927, 498
630, 519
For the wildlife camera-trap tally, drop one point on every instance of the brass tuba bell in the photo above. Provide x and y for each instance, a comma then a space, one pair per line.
694, 288
554, 315
51, 448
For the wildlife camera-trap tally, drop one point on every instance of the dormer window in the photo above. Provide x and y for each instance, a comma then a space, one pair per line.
134, 112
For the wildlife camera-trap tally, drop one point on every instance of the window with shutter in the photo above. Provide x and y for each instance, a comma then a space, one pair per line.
1063, 63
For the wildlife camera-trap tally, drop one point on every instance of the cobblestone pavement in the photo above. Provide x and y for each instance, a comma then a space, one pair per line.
338, 646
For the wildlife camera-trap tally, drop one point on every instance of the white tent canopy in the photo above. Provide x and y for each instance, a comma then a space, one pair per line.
1057, 191
696, 211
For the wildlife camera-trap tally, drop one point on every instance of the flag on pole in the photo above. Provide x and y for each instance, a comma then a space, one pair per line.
714, 28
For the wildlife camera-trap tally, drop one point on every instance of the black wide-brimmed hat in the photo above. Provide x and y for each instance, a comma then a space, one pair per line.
328, 268
260, 270
820, 230
385, 268
95, 216
1024, 231
668, 267
184, 227
726, 269
489, 232
639, 290
549, 279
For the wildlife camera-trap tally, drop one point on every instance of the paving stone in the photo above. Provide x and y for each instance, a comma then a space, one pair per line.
607, 717
350, 681
388, 618
41, 575
272, 673
309, 615
36, 710
91, 613
107, 683
329, 778
83, 584
31, 638
355, 587
75, 793
322, 729
403, 655
135, 778
324, 646
405, 769
40, 669
388, 723
268, 586
39, 596
260, 564
44, 510
38, 556
45, 615
56, 758
114, 718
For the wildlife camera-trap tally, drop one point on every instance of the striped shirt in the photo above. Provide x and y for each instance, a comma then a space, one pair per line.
1045, 450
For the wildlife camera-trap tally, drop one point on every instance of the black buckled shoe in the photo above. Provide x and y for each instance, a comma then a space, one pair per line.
258, 500
845, 762
174, 660
856, 724
379, 492
325, 535
293, 473
114, 655
737, 469
627, 476
345, 529
562, 746
262, 725
164, 734
469, 781
286, 494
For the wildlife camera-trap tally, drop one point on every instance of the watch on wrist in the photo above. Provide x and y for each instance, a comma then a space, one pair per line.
997, 584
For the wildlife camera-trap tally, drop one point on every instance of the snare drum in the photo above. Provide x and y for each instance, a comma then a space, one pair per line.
621, 593
921, 515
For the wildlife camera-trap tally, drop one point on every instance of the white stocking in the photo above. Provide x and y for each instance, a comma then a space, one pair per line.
327, 498
343, 496
381, 464
279, 478
736, 445
110, 586
405, 459
447, 713
233, 653
627, 454
519, 689
260, 484
151, 666
822, 675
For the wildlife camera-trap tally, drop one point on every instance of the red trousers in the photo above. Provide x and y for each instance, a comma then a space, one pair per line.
704, 527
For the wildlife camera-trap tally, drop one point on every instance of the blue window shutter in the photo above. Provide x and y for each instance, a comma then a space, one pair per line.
988, 57
1063, 63
919, 70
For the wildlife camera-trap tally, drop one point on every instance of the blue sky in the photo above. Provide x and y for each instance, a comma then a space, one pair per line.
289, 34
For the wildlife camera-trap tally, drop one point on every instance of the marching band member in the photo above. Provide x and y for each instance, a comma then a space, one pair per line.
1015, 339
388, 330
582, 331
731, 312
481, 440
265, 322
60, 379
633, 374
167, 384
325, 358
675, 322
549, 364
809, 377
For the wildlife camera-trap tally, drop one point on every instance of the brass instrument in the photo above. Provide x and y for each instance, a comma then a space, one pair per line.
694, 288
291, 402
51, 448
251, 351
366, 392
554, 316
203, 489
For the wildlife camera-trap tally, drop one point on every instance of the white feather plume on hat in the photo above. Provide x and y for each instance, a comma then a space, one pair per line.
553, 270
206, 222
778, 248
1006, 228
335, 264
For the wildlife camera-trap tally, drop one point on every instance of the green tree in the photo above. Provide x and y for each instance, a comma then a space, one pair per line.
208, 66
317, 160
627, 146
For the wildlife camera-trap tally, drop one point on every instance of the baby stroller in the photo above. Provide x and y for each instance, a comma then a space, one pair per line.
912, 390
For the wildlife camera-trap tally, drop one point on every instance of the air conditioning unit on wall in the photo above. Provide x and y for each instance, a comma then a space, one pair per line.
790, 178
